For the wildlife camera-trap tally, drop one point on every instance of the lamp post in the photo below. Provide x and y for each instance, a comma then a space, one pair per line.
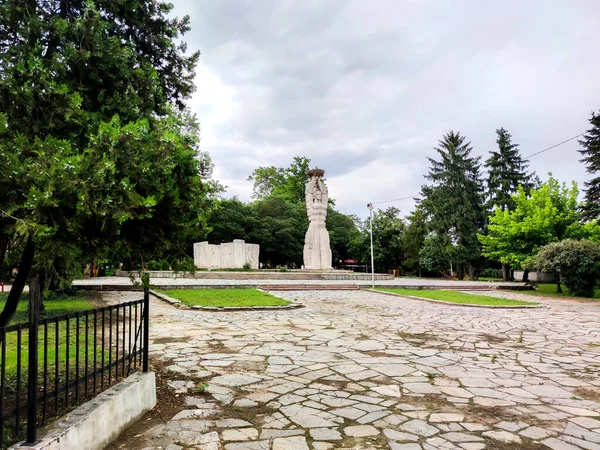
370, 206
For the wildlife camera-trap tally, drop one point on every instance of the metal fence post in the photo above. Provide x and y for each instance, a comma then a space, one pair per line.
32, 365
146, 328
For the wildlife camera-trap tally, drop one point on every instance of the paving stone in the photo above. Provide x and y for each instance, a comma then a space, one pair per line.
420, 428
234, 380
325, 434
256, 445
399, 436
232, 423
535, 433
557, 444
503, 436
240, 434
290, 443
244, 403
268, 433
510, 426
446, 417
461, 437
399, 446
322, 445
348, 413
361, 431
390, 390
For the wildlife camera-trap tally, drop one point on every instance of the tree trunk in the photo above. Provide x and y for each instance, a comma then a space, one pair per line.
35, 294
471, 271
3, 248
512, 275
526, 275
505, 272
17, 288
558, 287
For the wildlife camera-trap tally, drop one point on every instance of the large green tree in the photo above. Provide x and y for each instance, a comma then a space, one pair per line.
453, 201
287, 182
96, 156
591, 158
388, 235
414, 239
549, 214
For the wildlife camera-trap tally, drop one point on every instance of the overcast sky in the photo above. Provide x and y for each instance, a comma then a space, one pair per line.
367, 88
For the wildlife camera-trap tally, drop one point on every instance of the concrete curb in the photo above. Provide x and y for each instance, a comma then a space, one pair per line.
180, 304
95, 424
430, 300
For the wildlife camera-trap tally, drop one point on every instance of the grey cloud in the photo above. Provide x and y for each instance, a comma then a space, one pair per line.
375, 85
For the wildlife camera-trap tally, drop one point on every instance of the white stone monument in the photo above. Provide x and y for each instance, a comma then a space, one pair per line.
230, 255
317, 251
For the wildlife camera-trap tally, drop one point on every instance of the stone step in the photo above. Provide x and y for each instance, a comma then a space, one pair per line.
309, 287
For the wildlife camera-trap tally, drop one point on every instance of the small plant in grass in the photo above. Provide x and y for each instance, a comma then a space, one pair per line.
485, 355
247, 267
494, 358
431, 377
520, 341
201, 388
283, 269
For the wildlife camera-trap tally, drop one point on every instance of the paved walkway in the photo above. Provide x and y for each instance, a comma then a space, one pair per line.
360, 370
402, 281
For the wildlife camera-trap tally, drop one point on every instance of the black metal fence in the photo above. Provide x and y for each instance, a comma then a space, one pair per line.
49, 366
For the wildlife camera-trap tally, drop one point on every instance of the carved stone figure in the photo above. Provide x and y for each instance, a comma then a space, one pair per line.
317, 250
230, 255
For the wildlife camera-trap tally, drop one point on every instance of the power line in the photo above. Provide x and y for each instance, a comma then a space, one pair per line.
553, 146
526, 157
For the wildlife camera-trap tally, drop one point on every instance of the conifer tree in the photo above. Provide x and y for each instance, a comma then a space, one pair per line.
507, 170
454, 199
591, 158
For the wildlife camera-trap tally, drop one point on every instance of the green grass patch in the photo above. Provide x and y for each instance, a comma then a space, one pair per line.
549, 290
225, 297
457, 297
56, 305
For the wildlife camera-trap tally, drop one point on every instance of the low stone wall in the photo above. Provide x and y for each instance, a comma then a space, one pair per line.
214, 275
97, 423
540, 277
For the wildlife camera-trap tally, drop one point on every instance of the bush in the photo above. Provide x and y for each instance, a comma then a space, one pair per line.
186, 265
247, 267
491, 273
577, 263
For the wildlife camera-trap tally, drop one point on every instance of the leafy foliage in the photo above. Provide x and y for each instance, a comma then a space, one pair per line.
94, 149
549, 215
288, 183
414, 239
577, 262
388, 234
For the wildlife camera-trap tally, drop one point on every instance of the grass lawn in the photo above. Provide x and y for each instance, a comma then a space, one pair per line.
225, 297
549, 290
457, 297
57, 306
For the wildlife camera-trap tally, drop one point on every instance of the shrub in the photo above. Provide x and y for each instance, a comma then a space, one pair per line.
186, 265
576, 262
247, 266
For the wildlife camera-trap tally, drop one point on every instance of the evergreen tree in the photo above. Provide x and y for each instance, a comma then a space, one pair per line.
454, 199
507, 170
591, 158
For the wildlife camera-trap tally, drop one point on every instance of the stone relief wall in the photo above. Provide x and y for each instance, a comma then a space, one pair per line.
230, 255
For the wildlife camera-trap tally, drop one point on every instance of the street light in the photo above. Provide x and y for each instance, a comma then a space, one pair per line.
370, 206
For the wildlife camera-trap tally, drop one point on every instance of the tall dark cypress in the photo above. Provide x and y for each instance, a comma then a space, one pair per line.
453, 200
591, 158
506, 171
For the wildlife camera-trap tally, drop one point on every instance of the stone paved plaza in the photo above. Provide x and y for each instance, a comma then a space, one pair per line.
361, 370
